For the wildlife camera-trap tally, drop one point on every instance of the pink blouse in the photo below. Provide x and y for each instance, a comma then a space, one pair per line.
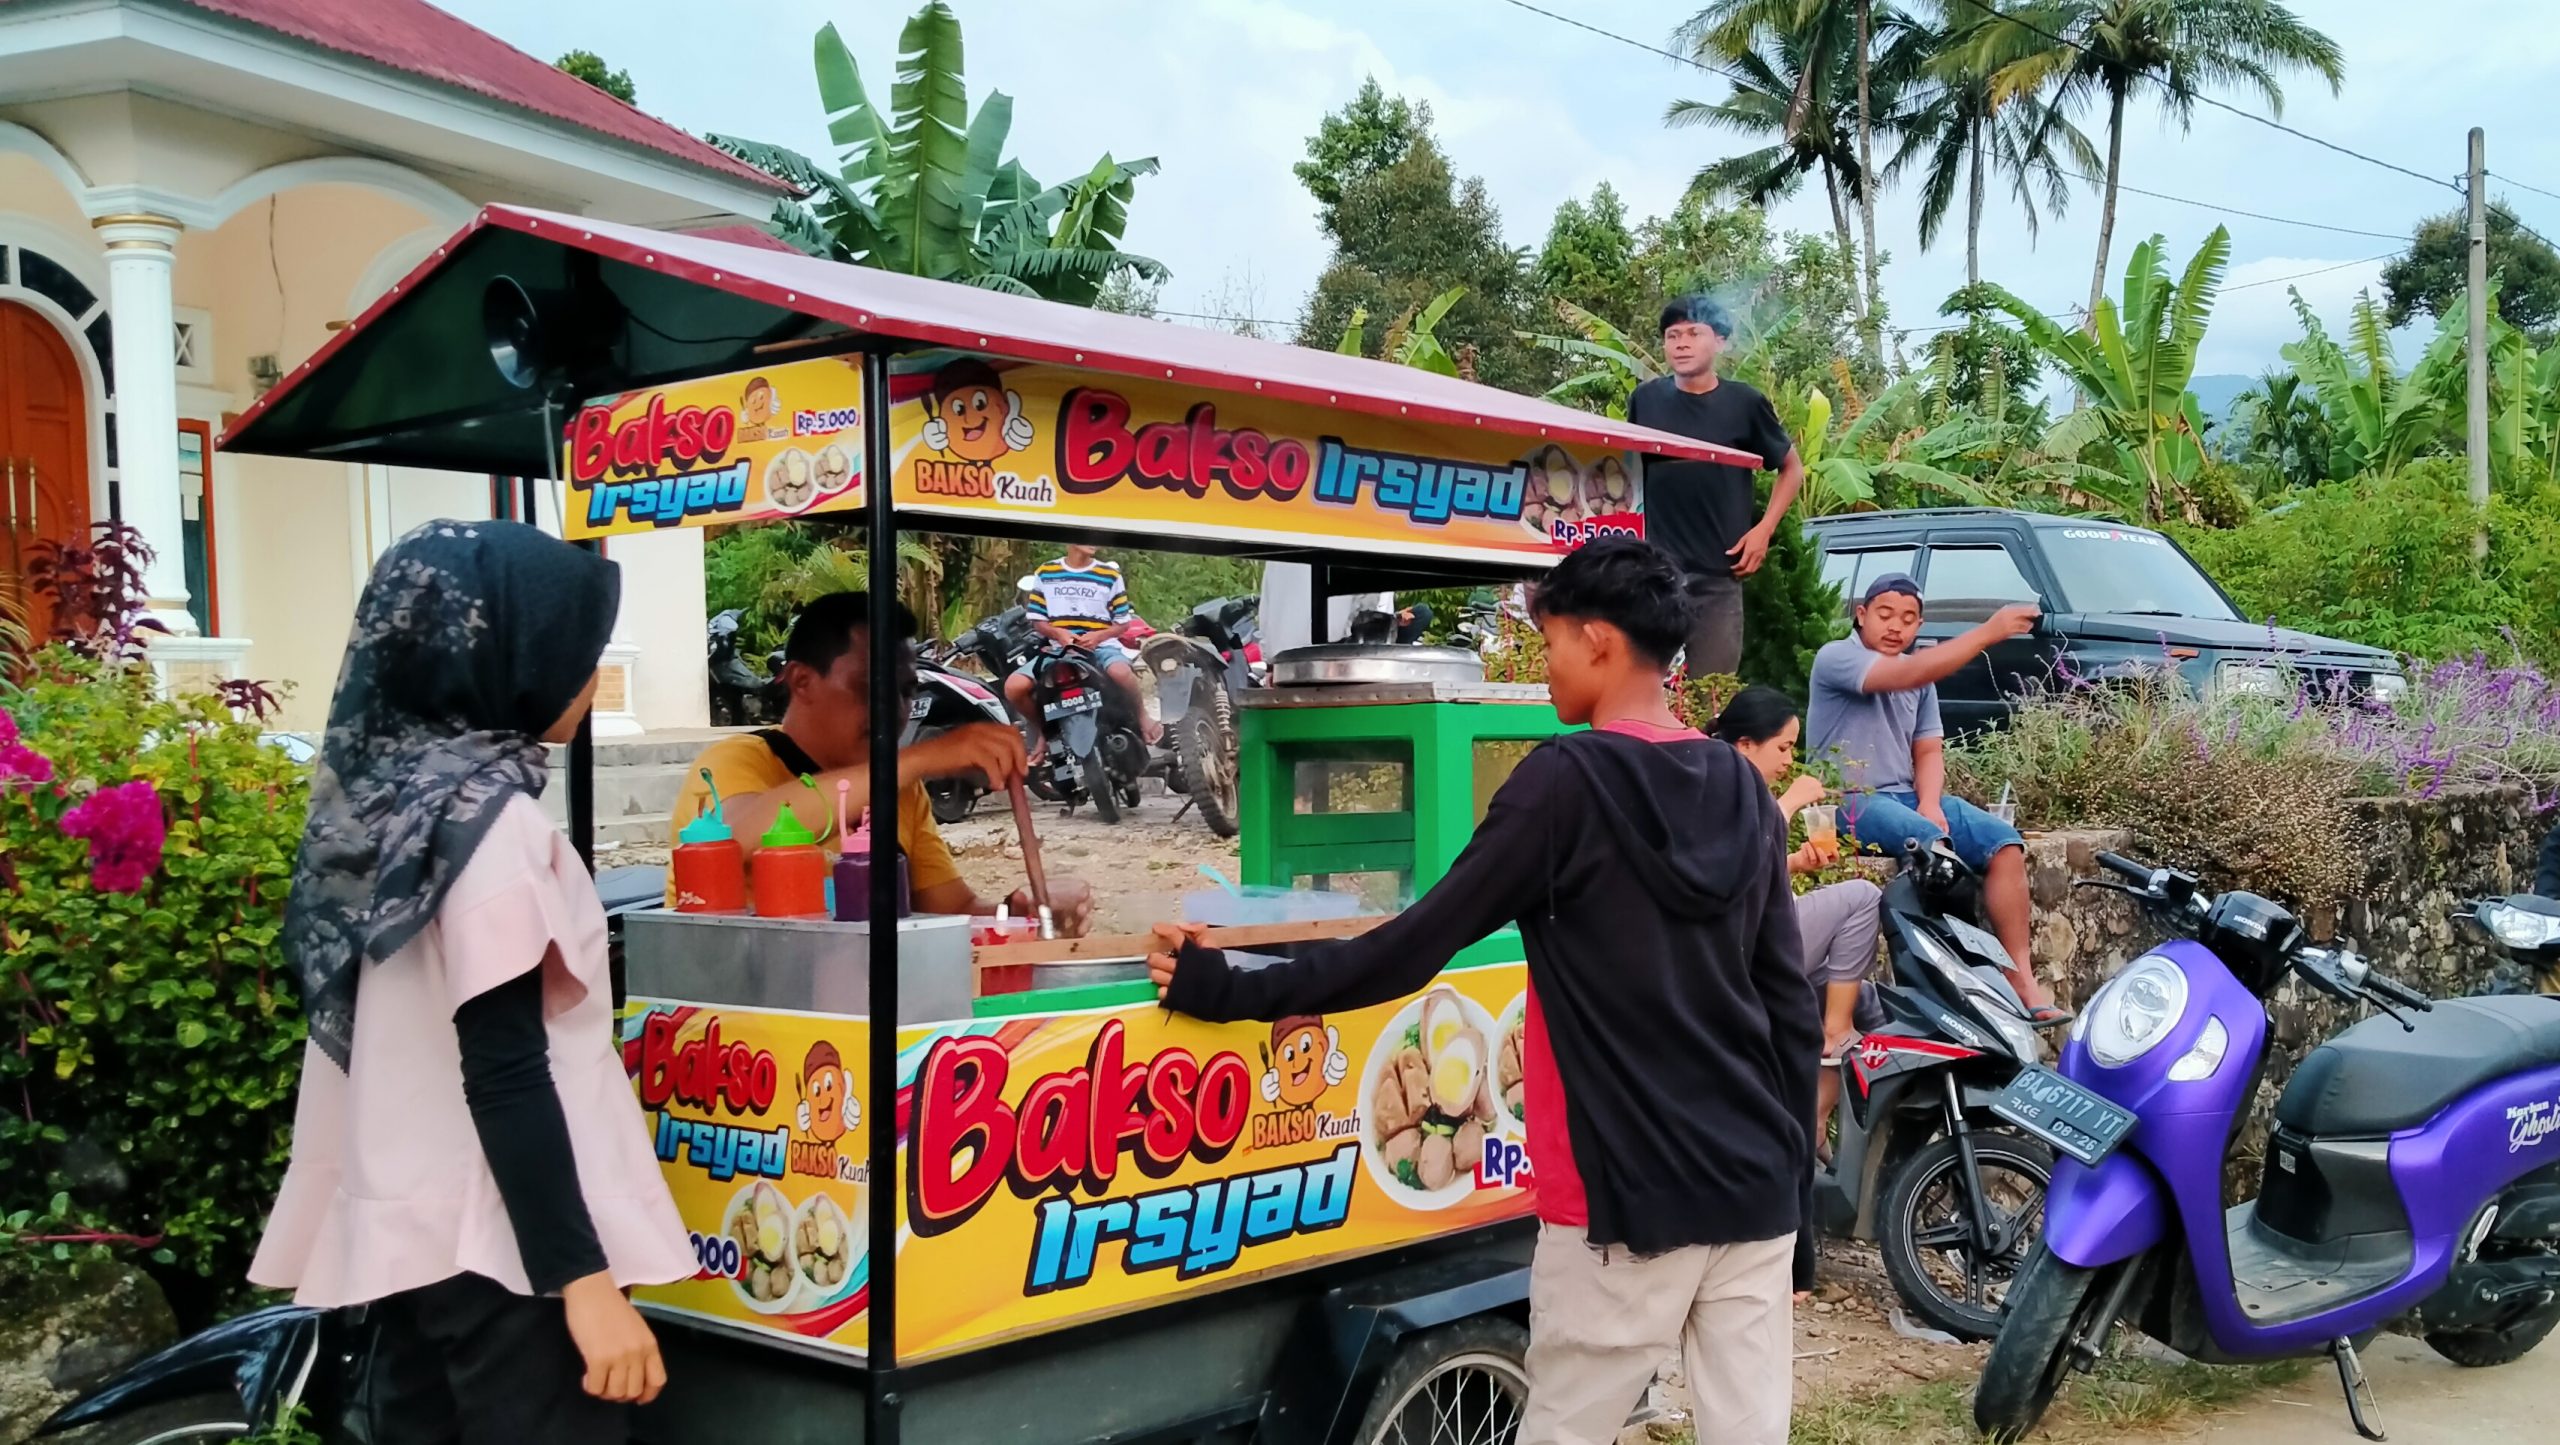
388, 1189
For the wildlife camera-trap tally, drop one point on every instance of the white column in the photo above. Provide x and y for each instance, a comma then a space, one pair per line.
140, 252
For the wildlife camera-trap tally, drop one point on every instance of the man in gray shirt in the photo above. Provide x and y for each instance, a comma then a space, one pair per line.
1873, 711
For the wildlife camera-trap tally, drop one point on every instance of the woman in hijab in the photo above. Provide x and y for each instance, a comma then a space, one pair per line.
467, 1154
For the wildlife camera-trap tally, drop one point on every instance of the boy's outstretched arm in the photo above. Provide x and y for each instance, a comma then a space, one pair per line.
1501, 875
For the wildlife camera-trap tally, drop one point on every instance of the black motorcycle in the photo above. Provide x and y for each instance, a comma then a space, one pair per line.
1201, 672
1923, 1164
946, 698
283, 1364
1096, 751
740, 698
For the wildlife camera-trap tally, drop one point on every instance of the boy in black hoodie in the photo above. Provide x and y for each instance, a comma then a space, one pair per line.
1671, 1044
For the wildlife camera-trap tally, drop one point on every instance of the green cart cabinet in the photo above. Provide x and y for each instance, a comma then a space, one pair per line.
1373, 789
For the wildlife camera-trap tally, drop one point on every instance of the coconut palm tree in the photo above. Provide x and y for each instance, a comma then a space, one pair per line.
1836, 42
2079, 52
1785, 85
1959, 135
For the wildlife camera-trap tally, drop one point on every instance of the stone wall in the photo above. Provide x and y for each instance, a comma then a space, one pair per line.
2428, 857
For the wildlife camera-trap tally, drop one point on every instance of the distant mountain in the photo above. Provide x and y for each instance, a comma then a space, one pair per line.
2214, 394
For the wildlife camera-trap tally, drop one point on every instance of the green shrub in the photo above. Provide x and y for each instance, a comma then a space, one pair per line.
2256, 789
149, 1090
2237, 791
2388, 563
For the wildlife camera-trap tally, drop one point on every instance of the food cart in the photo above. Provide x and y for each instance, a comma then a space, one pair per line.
928, 1211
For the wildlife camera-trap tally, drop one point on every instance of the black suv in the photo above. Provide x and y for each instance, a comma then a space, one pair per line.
2114, 598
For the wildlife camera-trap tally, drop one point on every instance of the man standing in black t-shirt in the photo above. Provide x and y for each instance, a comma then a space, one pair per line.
1700, 512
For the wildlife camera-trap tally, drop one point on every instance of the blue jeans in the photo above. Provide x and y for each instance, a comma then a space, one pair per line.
1883, 822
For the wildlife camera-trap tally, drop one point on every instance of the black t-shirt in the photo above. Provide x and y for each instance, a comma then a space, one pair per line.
1696, 510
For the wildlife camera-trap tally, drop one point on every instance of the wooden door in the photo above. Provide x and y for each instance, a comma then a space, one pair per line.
44, 443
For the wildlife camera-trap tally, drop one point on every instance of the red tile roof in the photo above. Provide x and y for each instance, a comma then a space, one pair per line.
418, 39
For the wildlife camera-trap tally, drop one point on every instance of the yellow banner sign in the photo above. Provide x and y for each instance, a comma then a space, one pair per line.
988, 439
1062, 1168
761, 1131
751, 446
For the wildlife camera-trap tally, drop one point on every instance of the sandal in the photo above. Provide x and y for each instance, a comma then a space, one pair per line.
2046, 1016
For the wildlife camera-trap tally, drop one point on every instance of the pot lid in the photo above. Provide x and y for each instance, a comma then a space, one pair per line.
1335, 663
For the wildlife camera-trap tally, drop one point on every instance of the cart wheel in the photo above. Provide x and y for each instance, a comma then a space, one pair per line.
1465, 1382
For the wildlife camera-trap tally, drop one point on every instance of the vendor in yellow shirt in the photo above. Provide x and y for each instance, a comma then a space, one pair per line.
826, 735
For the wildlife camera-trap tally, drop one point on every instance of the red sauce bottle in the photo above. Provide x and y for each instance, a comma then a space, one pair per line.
710, 868
790, 871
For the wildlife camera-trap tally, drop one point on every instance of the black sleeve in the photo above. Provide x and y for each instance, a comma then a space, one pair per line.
2547, 881
1769, 436
506, 1079
1501, 875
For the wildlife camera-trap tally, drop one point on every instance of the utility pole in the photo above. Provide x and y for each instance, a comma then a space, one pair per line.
2477, 439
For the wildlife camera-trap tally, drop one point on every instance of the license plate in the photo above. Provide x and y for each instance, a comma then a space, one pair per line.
2063, 1114
1090, 702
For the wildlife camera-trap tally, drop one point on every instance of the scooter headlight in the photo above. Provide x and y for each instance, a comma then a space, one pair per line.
2517, 928
2136, 1010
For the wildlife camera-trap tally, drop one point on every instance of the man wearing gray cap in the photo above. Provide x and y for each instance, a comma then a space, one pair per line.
1873, 710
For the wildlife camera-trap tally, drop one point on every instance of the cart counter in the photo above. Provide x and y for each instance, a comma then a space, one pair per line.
1064, 1154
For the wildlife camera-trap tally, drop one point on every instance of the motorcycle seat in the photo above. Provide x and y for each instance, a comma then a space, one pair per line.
2377, 1078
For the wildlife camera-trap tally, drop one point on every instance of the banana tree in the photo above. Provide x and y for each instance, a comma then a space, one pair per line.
926, 190
1618, 362
1853, 471
2378, 419
2133, 365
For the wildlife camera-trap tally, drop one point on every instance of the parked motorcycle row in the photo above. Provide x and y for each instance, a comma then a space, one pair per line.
1090, 742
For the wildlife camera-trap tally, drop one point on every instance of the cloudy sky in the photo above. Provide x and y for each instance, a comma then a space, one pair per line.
1224, 93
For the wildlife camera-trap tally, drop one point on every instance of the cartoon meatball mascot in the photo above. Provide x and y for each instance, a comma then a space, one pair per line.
1306, 1059
827, 1107
974, 418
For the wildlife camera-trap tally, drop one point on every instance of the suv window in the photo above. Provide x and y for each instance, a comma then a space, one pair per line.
1852, 571
1967, 582
2127, 570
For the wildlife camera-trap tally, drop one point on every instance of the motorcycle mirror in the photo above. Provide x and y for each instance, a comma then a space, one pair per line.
1025, 582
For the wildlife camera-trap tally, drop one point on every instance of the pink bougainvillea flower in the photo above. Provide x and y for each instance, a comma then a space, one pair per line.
125, 830
18, 762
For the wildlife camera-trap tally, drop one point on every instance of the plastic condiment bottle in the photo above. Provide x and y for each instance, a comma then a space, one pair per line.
790, 871
710, 868
853, 866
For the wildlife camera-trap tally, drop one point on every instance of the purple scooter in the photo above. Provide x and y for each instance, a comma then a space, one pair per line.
2412, 1181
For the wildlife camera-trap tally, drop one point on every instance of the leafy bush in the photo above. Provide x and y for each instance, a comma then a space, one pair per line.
2388, 563
150, 1087
2259, 789
2234, 790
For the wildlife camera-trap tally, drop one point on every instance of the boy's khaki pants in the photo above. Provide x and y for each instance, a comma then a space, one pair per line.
1599, 1326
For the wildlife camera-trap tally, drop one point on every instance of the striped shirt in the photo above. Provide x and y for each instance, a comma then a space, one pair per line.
1079, 599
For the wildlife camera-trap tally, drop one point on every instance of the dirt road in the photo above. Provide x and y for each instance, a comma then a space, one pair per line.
2424, 1401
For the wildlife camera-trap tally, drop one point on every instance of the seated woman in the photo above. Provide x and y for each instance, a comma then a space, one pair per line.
1842, 921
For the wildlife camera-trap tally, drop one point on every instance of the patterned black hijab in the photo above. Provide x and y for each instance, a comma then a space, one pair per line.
470, 640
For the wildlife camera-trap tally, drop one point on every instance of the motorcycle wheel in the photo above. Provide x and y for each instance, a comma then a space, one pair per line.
1925, 1229
1209, 764
197, 1418
2049, 1306
1099, 787
2481, 1349
952, 803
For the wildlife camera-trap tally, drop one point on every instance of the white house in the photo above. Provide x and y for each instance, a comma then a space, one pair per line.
193, 193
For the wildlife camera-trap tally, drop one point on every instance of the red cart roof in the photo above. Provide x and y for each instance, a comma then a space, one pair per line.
409, 382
